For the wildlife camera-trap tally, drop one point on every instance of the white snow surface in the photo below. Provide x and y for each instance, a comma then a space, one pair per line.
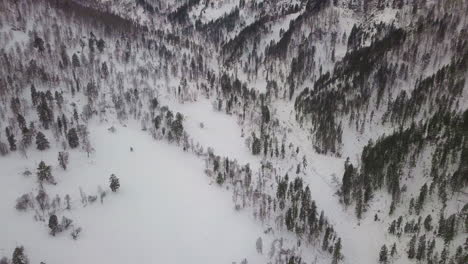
165, 212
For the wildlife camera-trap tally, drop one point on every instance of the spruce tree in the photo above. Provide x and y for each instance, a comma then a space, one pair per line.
256, 145
72, 137
383, 256
177, 127
337, 252
421, 252
114, 183
41, 141
412, 248
393, 252
44, 112
325, 239
359, 205
444, 255
428, 223
53, 224
63, 159
220, 179
11, 139
44, 173
346, 183
75, 60
19, 257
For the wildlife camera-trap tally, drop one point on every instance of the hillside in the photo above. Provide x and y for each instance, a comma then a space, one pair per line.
234, 131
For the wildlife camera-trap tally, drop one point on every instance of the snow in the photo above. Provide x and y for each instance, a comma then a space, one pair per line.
220, 131
165, 211
321, 175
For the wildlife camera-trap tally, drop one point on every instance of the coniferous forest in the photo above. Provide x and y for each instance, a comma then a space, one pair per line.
234, 131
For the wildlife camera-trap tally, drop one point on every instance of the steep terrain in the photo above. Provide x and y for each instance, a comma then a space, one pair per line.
308, 131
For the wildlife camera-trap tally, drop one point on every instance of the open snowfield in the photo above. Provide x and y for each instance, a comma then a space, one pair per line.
216, 130
165, 212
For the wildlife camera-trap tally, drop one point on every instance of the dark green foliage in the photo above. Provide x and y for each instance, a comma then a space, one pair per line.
44, 112
181, 14
101, 45
146, 6
325, 239
44, 173
421, 198
428, 223
215, 28
114, 183
220, 179
39, 44
53, 224
41, 141
412, 248
347, 181
421, 252
75, 60
337, 256
177, 127
19, 257
256, 145
383, 255
72, 137
440, 90
11, 139
234, 47
394, 250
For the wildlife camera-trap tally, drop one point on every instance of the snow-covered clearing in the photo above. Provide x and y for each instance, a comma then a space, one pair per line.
215, 129
165, 212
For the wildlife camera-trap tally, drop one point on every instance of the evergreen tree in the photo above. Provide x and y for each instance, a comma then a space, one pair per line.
394, 250
289, 219
75, 60
359, 205
383, 256
34, 95
450, 228
421, 252
44, 112
11, 139
21, 121
220, 179
259, 245
430, 249
19, 257
63, 159
39, 44
421, 198
412, 248
444, 255
114, 183
100, 45
428, 223
337, 252
325, 239
346, 183
256, 145
73, 140
44, 173
41, 141
53, 224
411, 206
177, 127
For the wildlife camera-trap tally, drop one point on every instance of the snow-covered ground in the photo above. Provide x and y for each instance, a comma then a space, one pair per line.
361, 239
165, 212
215, 129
